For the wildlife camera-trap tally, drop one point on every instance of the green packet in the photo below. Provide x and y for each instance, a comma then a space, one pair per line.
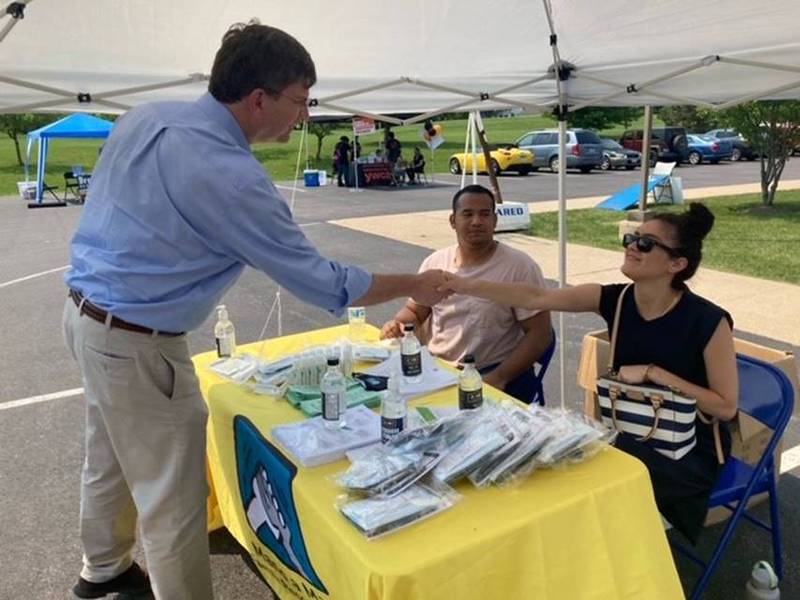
302, 393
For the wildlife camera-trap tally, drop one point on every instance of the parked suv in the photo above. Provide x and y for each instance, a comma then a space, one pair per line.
584, 149
667, 144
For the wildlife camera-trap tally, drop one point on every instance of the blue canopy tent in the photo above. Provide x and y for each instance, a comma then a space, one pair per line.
78, 125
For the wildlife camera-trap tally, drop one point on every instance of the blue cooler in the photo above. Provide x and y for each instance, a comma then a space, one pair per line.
311, 178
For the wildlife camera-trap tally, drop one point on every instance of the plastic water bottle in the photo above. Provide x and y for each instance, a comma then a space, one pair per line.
763, 584
393, 410
224, 333
411, 355
470, 385
357, 318
334, 396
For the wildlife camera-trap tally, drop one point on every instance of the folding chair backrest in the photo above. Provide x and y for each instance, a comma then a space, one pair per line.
663, 168
765, 393
540, 367
77, 169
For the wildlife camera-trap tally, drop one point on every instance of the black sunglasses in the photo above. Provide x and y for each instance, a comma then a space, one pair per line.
646, 244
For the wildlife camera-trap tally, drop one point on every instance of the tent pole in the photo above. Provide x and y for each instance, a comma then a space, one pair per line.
562, 247
646, 135
487, 158
474, 148
466, 147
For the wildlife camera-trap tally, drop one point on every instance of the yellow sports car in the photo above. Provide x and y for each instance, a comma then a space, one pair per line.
504, 157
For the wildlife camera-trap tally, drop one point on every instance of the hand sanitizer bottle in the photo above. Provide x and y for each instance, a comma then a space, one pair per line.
224, 334
470, 385
411, 355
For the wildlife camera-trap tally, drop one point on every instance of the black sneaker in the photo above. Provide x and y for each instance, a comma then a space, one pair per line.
133, 583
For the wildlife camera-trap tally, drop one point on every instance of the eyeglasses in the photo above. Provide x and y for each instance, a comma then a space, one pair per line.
646, 244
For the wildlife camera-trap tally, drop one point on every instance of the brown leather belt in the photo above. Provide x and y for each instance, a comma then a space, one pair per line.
99, 315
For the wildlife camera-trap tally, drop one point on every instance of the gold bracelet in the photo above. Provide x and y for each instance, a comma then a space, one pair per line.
647, 372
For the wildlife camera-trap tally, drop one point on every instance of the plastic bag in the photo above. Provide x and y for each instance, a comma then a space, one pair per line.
575, 437
238, 368
374, 517
478, 445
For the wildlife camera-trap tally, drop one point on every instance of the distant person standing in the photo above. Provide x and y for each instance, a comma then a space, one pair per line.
393, 148
341, 159
417, 165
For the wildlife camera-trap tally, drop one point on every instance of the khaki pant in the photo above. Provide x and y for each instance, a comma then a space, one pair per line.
145, 457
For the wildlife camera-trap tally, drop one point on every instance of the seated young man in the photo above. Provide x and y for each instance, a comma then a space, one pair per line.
505, 341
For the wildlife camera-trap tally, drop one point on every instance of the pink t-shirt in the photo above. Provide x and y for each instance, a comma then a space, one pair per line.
463, 325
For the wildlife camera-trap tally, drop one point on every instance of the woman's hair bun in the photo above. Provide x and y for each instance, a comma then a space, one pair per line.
699, 220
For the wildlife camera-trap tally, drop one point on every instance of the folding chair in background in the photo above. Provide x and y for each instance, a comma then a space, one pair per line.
661, 176
766, 394
540, 368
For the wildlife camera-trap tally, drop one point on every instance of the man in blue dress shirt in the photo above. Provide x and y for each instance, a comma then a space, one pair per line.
178, 206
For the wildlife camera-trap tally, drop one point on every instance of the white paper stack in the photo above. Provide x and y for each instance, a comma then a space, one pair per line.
312, 444
433, 377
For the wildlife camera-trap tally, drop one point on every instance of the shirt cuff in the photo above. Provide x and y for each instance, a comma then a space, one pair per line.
356, 285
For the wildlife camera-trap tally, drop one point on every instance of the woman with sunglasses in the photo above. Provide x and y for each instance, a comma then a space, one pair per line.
668, 336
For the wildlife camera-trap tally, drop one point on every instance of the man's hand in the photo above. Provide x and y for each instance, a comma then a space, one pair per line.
430, 287
392, 329
453, 284
493, 379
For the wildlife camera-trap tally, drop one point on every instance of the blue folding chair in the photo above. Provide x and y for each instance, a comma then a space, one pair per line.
539, 368
766, 394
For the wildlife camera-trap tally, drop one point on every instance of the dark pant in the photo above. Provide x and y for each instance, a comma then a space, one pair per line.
522, 387
341, 173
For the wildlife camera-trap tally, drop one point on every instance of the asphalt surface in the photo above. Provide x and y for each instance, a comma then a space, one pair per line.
42, 444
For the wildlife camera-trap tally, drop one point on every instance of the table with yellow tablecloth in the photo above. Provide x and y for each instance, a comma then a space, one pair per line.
590, 530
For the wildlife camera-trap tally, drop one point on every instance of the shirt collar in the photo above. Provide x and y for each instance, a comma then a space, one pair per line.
220, 114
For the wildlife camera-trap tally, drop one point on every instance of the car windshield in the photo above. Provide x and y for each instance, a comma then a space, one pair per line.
611, 145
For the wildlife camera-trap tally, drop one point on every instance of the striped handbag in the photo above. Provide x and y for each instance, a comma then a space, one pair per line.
659, 416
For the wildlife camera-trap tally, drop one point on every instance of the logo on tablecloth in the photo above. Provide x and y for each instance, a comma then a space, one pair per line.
265, 485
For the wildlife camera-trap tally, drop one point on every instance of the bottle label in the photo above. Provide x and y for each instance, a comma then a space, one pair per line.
330, 405
468, 400
391, 427
412, 364
224, 347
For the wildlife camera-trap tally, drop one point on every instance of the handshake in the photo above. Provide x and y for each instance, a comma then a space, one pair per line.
431, 287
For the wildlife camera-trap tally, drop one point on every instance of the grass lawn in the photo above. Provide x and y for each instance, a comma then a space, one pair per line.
280, 159
748, 238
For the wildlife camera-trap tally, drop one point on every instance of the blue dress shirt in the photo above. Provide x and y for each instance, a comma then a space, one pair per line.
177, 207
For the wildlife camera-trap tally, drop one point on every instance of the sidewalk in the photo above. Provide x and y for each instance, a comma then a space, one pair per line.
758, 306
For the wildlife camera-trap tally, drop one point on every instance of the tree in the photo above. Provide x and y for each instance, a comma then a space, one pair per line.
600, 117
321, 130
694, 119
773, 129
16, 125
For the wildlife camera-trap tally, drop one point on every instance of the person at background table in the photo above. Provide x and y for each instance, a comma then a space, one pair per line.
377, 156
393, 148
355, 148
505, 341
668, 336
178, 207
341, 160
417, 165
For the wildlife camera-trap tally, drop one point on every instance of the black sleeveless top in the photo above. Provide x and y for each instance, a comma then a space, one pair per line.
675, 342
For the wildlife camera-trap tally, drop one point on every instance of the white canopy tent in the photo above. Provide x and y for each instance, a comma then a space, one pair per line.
418, 56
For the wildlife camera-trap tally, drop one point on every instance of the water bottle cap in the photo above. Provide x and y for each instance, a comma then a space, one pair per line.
469, 359
333, 361
408, 327
222, 311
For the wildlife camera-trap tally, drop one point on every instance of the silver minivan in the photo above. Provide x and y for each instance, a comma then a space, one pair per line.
584, 149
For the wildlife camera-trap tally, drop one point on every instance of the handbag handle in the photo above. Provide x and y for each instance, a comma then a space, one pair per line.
655, 401
615, 327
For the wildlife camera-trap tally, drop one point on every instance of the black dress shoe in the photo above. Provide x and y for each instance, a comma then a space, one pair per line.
133, 583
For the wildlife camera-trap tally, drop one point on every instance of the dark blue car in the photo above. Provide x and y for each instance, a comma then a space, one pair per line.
706, 148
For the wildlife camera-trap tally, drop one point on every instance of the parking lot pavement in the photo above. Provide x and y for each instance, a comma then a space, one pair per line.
42, 442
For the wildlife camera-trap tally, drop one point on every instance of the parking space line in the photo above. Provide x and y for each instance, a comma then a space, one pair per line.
790, 459
27, 277
42, 398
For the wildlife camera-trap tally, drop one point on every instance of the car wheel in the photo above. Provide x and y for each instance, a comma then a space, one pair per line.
554, 164
455, 166
736, 155
525, 170
534, 169
653, 159
606, 164
695, 158
630, 167
495, 167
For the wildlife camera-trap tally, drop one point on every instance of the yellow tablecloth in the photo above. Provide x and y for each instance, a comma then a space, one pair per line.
587, 531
